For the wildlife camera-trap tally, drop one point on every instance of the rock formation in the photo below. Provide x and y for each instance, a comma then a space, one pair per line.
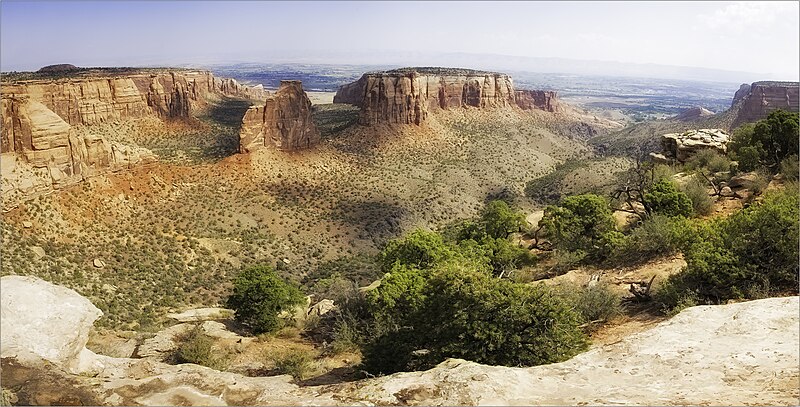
693, 114
704, 355
283, 122
39, 143
761, 98
682, 146
230, 87
538, 99
408, 95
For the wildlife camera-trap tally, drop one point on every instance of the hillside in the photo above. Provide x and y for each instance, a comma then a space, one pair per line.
200, 211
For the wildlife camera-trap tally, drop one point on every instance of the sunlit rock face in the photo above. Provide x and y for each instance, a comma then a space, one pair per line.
409, 95
284, 122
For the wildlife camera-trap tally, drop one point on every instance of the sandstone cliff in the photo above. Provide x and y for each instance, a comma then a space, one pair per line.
408, 95
230, 87
283, 122
538, 99
40, 147
704, 355
761, 98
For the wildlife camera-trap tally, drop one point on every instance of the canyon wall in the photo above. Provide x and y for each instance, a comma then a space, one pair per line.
759, 99
283, 122
538, 100
408, 95
41, 148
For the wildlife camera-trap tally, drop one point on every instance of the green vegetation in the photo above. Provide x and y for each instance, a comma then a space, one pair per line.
297, 363
767, 142
754, 249
583, 224
197, 348
456, 309
259, 295
664, 198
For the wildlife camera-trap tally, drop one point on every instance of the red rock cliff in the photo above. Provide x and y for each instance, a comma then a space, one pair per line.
764, 97
408, 95
283, 122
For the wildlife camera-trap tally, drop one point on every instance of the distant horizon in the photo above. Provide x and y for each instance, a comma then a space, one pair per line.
709, 41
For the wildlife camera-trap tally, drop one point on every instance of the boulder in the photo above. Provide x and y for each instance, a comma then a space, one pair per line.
38, 252
97, 263
43, 321
321, 308
682, 146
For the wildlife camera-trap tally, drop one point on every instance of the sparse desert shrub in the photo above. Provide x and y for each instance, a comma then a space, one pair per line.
197, 349
259, 295
297, 363
697, 191
593, 303
710, 160
790, 168
657, 236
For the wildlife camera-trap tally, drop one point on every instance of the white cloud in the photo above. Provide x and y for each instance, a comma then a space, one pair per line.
741, 16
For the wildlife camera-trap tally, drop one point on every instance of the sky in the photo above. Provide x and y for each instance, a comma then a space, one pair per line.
753, 37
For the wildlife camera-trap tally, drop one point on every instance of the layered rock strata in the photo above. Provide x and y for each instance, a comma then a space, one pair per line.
230, 87
39, 143
408, 95
682, 146
284, 122
761, 98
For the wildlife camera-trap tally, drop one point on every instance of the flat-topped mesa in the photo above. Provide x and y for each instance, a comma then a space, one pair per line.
284, 121
761, 98
408, 95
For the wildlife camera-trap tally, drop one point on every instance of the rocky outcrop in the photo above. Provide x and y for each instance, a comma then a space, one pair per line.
408, 95
682, 146
43, 321
284, 122
692, 114
539, 100
704, 355
230, 87
761, 98
40, 145
41, 151
744, 90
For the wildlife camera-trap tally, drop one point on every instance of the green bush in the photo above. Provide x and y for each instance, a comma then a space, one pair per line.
790, 168
465, 313
767, 142
657, 236
697, 191
197, 349
664, 198
756, 247
294, 362
420, 249
580, 223
259, 295
710, 160
593, 303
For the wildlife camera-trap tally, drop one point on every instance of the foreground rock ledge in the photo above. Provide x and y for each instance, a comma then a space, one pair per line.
745, 353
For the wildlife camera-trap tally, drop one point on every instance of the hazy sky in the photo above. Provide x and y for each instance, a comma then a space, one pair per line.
756, 37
